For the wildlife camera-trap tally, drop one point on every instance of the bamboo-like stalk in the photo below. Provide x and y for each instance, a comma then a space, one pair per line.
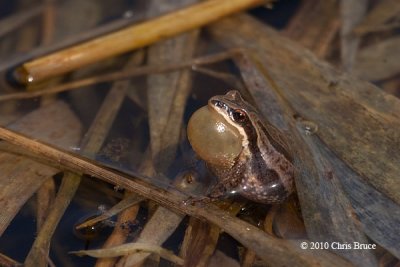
131, 38
18, 59
123, 75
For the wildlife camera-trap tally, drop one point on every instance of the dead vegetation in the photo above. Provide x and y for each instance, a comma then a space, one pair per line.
115, 130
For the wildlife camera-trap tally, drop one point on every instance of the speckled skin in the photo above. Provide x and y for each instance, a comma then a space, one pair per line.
263, 172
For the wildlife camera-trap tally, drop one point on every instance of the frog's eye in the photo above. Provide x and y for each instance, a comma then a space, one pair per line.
238, 115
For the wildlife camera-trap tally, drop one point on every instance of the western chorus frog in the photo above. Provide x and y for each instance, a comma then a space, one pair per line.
247, 156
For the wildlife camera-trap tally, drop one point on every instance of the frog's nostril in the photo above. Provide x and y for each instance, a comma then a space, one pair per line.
217, 103
220, 104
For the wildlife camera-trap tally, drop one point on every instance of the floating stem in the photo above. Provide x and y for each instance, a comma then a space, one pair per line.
133, 37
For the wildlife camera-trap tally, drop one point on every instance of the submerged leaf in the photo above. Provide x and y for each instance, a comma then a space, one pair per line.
20, 177
379, 61
356, 120
130, 248
376, 19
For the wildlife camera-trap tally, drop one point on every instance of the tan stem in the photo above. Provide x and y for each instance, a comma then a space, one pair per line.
131, 38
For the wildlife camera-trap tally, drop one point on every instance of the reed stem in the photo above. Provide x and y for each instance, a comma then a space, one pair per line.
131, 38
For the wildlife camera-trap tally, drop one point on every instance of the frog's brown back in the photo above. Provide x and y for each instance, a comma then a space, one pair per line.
277, 140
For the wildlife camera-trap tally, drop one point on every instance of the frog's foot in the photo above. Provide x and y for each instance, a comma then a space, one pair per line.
222, 190
218, 192
193, 201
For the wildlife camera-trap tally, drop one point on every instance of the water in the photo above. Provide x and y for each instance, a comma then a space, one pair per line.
125, 147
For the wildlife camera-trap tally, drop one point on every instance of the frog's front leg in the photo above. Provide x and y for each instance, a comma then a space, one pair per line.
219, 191
224, 188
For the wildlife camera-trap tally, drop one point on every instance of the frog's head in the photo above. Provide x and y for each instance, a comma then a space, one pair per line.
214, 130
237, 113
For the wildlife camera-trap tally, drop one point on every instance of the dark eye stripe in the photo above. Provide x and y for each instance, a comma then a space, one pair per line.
220, 104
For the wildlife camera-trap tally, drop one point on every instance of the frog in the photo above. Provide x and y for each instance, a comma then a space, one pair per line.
259, 165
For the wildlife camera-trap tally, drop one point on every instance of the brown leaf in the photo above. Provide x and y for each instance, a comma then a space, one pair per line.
379, 61
167, 93
20, 176
376, 19
356, 120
